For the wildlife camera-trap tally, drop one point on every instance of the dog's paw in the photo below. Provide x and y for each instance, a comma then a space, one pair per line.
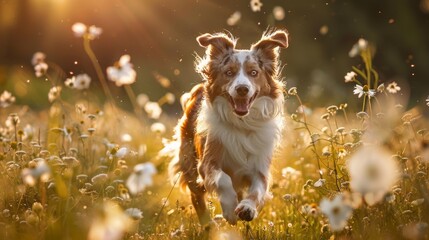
246, 210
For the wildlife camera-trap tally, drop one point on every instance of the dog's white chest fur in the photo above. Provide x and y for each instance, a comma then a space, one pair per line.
249, 141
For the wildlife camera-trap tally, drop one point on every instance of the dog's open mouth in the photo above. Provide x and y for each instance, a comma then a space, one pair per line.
241, 105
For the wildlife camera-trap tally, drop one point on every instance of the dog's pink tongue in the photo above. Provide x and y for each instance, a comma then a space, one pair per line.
241, 106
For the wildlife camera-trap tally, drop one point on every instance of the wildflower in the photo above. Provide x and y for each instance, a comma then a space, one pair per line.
158, 128
337, 212
279, 13
427, 101
38, 57
78, 82
122, 73
372, 173
342, 152
359, 47
111, 223
141, 177
380, 88
81, 30
255, 5
234, 18
142, 99
393, 88
6, 99
40, 69
319, 182
170, 98
134, 213
126, 137
153, 109
291, 173
121, 152
350, 76
363, 90
40, 170
54, 93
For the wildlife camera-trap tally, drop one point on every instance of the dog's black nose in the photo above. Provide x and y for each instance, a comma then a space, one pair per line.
242, 90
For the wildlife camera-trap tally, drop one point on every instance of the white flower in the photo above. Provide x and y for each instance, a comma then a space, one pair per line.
41, 171
153, 109
255, 5
319, 182
337, 211
78, 82
141, 177
363, 90
350, 76
38, 57
279, 13
40, 69
122, 73
94, 31
427, 101
234, 18
158, 128
359, 47
110, 224
170, 98
393, 87
380, 88
134, 213
142, 99
372, 173
6, 99
121, 152
79, 29
54, 93
126, 137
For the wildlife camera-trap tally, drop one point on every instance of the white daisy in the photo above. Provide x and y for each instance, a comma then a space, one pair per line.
363, 90
372, 173
393, 88
122, 73
337, 211
141, 177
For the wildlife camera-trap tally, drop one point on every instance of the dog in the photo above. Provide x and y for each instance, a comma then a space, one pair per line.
231, 125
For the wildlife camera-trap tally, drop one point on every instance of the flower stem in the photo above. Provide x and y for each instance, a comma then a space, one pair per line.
97, 67
132, 97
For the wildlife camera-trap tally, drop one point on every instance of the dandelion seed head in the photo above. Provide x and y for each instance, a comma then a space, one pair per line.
122, 73
141, 177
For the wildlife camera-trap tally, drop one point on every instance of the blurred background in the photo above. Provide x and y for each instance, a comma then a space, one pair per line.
159, 35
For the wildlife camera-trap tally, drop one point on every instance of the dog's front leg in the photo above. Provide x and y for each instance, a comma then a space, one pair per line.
215, 179
247, 209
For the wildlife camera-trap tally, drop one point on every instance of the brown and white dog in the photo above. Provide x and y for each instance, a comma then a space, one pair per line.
231, 125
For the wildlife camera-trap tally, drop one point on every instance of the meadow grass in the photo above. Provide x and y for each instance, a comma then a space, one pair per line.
80, 170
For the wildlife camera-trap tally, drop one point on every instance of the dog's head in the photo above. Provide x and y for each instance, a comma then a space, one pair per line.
239, 75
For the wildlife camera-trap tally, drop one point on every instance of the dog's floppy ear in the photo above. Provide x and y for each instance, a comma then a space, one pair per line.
267, 49
217, 44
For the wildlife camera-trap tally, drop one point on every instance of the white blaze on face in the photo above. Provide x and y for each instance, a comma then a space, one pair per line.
241, 78
242, 89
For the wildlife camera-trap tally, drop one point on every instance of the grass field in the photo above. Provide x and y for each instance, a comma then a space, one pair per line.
80, 170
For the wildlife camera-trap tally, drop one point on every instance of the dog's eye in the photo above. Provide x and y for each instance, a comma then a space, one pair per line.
254, 73
229, 73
